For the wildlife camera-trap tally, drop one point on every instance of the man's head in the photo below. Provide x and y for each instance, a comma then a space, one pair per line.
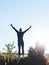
20, 29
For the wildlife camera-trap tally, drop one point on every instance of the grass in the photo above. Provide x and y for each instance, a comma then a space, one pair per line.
29, 60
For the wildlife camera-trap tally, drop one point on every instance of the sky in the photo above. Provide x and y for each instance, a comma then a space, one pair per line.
22, 14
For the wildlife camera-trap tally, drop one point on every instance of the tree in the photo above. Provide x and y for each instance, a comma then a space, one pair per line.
36, 58
31, 52
9, 47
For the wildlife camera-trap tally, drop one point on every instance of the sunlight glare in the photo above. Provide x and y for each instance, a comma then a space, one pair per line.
43, 38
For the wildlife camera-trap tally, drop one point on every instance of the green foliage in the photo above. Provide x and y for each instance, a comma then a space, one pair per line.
9, 47
36, 58
31, 52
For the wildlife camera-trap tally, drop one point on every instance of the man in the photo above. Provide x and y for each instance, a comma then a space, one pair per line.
20, 38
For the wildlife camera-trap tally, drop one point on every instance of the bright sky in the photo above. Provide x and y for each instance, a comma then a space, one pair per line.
23, 13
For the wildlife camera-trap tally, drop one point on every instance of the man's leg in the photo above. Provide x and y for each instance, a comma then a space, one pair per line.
18, 50
23, 49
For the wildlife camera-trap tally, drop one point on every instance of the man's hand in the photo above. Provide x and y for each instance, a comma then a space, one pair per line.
30, 26
11, 24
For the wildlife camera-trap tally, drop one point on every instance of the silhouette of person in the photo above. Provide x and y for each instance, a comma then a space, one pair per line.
20, 38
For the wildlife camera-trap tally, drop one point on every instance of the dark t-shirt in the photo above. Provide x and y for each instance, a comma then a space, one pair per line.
20, 37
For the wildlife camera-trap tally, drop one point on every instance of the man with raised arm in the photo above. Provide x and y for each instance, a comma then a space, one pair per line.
20, 38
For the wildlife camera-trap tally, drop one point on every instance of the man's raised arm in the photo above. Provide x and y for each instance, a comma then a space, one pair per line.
14, 28
26, 29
